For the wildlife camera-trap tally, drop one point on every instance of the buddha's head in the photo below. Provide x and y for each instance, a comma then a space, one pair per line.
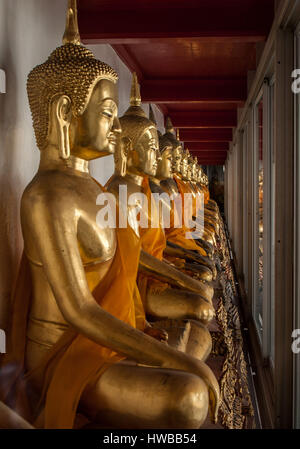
195, 169
165, 164
206, 181
176, 146
73, 99
190, 166
140, 136
184, 165
164, 159
203, 178
199, 174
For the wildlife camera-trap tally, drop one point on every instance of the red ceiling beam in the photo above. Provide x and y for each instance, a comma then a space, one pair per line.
204, 119
208, 154
129, 60
207, 146
212, 159
212, 163
206, 135
208, 22
191, 90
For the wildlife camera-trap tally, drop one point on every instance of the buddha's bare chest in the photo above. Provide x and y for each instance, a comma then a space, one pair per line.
81, 203
96, 236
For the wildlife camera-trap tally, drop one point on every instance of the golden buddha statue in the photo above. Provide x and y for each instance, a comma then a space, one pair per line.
184, 183
211, 219
178, 245
77, 334
212, 213
189, 336
172, 185
193, 299
203, 184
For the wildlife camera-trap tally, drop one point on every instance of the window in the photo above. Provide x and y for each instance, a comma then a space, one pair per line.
264, 219
258, 184
245, 206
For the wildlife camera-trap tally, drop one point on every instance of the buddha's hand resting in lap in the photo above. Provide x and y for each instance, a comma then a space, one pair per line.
159, 334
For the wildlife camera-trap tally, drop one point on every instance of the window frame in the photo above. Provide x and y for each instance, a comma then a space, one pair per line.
255, 213
296, 357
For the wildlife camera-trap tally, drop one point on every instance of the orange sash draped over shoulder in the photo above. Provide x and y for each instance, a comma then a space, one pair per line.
153, 238
153, 241
178, 235
74, 361
183, 188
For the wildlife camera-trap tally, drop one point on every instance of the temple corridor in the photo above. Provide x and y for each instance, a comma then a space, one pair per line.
219, 83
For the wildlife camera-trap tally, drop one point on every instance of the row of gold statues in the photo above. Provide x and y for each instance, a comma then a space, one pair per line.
81, 339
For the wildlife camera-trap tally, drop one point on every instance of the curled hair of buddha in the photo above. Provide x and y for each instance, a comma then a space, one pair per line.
70, 70
135, 121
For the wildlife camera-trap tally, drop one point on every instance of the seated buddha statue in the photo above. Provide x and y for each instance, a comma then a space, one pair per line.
211, 210
210, 219
160, 300
189, 336
77, 338
178, 245
183, 180
186, 184
203, 184
173, 186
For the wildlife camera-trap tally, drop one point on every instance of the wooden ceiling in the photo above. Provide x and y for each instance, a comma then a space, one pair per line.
192, 58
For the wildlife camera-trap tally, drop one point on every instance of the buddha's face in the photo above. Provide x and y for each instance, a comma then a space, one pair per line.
184, 167
199, 175
95, 132
177, 157
189, 171
147, 149
194, 172
164, 169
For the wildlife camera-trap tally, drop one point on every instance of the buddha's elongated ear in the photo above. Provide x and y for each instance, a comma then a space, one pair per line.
132, 155
63, 116
127, 145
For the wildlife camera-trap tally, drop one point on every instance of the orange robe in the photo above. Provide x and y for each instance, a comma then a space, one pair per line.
203, 189
178, 235
74, 361
153, 242
183, 188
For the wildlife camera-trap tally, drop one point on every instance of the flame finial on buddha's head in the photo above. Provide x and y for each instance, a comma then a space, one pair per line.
71, 35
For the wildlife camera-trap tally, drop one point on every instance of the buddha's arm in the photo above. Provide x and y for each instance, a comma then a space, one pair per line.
166, 272
54, 234
172, 249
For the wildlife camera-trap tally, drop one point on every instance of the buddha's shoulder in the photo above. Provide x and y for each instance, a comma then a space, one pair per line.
54, 188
